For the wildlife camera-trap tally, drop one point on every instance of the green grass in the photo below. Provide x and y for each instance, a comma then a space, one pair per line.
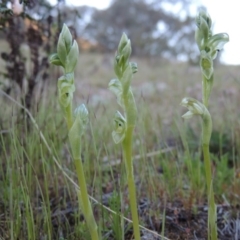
35, 194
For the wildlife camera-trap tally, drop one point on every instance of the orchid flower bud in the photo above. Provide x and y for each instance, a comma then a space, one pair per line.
123, 42
83, 113
126, 51
66, 89
55, 60
118, 133
117, 69
64, 44
72, 58
194, 106
77, 130
216, 43
67, 52
202, 33
123, 54
203, 36
197, 108
206, 64
134, 67
116, 87
203, 14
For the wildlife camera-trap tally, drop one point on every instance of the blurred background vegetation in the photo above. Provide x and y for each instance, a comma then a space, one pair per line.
29, 31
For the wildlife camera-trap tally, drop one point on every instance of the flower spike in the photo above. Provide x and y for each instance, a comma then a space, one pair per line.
67, 57
124, 127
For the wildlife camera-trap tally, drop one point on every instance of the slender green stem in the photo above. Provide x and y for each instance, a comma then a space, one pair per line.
127, 151
83, 193
84, 200
207, 164
68, 115
212, 208
206, 135
207, 88
204, 92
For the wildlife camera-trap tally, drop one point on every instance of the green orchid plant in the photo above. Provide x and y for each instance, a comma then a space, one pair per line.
209, 45
124, 125
67, 57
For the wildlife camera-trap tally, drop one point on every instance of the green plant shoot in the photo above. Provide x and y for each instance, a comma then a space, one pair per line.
209, 45
67, 57
124, 125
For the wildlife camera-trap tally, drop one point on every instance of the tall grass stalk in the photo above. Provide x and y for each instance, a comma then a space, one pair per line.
209, 45
67, 57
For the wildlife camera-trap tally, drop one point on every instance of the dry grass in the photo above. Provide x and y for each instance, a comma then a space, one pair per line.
162, 179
